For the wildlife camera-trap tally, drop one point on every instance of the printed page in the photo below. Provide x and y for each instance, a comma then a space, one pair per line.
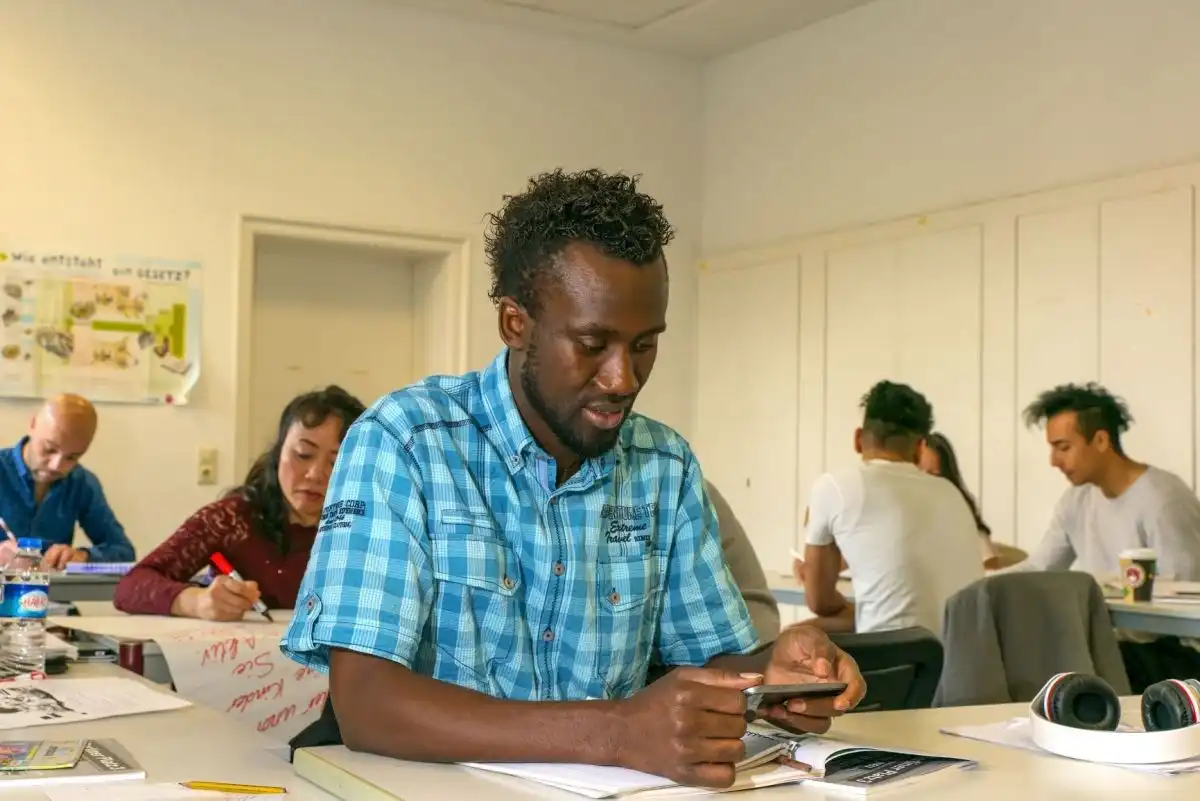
41, 702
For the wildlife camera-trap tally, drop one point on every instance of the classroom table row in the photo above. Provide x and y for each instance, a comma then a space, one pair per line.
1167, 619
71, 587
196, 743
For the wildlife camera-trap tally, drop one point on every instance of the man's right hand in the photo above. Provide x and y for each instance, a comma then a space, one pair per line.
688, 726
226, 599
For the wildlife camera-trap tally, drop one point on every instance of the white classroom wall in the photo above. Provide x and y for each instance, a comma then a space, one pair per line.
906, 107
138, 124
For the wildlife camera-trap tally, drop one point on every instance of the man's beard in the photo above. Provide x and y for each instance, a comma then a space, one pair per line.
559, 423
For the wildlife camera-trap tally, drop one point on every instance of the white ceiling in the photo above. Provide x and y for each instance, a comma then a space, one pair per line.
696, 28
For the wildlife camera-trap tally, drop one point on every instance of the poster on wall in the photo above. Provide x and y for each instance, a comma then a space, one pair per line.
118, 328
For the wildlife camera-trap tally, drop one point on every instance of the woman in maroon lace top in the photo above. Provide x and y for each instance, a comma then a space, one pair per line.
265, 527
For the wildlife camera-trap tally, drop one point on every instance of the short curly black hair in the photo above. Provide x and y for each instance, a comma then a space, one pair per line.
895, 416
559, 208
1096, 409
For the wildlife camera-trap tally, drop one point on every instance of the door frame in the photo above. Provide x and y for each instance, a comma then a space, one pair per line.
440, 275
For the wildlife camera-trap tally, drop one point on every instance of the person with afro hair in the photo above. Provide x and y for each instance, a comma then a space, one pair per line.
504, 554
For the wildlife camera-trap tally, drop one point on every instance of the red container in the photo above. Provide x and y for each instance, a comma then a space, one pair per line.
131, 656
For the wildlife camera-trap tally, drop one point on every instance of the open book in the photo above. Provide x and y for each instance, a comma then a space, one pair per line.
859, 769
831, 762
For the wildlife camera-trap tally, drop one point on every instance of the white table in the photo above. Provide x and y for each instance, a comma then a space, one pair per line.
194, 743
1180, 620
1002, 774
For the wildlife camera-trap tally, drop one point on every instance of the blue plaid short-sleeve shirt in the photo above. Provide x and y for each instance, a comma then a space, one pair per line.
445, 546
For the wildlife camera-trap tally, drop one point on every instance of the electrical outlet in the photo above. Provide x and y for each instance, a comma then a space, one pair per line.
206, 466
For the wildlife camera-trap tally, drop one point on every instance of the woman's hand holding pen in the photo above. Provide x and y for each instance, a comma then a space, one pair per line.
223, 600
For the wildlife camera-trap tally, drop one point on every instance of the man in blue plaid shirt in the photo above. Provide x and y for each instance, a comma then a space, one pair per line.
502, 553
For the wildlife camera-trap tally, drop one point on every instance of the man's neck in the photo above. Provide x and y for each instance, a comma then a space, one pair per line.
565, 461
1120, 476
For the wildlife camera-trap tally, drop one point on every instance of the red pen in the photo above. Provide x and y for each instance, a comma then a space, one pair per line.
222, 564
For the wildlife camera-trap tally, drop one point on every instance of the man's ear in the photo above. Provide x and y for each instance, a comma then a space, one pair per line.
1101, 441
515, 324
858, 440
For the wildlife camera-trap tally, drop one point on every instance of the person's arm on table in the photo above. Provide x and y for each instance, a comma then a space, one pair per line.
705, 623
822, 557
1174, 534
109, 541
1055, 551
158, 585
686, 726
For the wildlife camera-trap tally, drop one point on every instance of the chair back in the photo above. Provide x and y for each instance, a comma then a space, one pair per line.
902, 667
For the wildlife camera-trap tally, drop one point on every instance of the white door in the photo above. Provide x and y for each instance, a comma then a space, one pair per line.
326, 313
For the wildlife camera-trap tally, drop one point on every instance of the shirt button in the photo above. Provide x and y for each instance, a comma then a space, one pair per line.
559, 568
614, 597
508, 583
547, 635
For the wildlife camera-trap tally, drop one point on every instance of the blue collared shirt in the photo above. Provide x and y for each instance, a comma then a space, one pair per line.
444, 546
76, 498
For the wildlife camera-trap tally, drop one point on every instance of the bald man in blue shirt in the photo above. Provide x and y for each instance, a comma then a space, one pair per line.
44, 491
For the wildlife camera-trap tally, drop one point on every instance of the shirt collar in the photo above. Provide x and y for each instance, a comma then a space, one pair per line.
512, 436
19, 459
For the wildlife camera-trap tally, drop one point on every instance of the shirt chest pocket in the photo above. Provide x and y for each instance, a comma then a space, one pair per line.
477, 582
627, 599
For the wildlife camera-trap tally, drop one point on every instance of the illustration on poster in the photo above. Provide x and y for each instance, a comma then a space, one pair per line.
115, 328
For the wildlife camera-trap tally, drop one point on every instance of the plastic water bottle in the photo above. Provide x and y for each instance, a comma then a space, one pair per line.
26, 596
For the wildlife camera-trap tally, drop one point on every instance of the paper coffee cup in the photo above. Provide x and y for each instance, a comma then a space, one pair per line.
1138, 566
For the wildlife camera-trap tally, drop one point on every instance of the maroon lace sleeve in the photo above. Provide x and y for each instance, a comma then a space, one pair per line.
151, 587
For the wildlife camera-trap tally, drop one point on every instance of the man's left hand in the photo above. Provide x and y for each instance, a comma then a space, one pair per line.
57, 556
804, 654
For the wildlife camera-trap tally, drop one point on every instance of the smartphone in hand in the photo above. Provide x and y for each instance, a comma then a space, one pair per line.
766, 695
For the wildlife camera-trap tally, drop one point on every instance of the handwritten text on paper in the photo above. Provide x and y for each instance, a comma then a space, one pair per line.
238, 669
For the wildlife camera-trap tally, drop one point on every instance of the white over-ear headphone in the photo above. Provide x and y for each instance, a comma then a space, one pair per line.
1076, 715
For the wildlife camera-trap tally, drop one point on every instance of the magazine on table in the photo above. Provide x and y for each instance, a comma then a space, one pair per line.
98, 761
856, 768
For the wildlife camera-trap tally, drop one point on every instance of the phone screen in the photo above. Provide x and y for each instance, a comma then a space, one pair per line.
772, 694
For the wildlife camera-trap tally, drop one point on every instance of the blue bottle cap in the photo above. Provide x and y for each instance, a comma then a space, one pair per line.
29, 542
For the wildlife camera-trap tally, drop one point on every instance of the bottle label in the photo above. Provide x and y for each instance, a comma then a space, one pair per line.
24, 600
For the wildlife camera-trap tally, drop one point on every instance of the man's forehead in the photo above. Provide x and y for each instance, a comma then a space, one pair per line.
591, 287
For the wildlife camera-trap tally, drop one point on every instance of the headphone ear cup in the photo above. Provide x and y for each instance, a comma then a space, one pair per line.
1082, 701
1171, 704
